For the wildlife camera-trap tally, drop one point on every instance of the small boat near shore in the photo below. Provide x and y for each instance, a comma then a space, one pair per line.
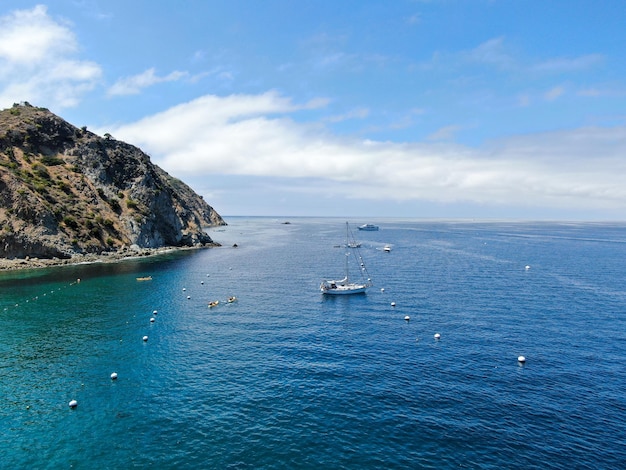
368, 227
145, 278
215, 303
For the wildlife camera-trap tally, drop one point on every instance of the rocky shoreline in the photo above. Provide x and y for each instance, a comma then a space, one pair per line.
104, 257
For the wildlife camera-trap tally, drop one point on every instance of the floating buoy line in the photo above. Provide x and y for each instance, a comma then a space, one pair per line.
43, 294
73, 404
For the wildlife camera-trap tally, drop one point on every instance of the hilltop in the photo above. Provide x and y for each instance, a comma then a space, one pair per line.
66, 192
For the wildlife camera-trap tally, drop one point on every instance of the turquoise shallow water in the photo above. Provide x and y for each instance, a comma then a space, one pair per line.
285, 378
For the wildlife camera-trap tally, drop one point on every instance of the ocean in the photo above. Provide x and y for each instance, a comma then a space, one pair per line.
286, 378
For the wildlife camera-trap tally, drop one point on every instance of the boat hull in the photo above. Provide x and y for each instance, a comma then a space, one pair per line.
344, 290
355, 290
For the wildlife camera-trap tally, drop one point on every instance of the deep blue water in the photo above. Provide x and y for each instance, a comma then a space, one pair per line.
286, 378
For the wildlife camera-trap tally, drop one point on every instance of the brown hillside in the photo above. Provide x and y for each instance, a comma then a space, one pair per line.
67, 191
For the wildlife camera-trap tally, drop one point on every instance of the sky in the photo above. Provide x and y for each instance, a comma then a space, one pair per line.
472, 109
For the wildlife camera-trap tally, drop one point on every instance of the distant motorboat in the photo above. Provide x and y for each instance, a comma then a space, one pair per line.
345, 286
146, 278
368, 227
387, 248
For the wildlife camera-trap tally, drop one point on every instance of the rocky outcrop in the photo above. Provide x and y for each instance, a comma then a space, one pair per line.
66, 191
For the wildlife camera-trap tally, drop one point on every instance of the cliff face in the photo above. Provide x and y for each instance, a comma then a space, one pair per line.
65, 191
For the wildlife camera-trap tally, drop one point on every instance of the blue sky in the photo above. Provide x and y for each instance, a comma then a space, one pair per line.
401, 108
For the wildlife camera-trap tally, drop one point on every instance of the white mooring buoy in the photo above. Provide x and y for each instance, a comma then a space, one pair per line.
145, 338
152, 320
437, 336
114, 376
154, 312
407, 318
73, 404
393, 304
521, 359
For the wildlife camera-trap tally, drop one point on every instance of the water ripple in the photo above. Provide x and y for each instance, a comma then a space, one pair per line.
284, 378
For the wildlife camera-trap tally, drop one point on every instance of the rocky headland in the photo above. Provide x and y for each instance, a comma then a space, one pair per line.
68, 195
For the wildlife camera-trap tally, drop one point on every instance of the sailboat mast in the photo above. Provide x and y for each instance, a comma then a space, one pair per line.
347, 246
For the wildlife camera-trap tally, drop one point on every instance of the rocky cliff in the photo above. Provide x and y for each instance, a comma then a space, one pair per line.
66, 191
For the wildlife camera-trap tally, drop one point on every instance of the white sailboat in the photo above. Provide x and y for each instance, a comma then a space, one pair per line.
346, 286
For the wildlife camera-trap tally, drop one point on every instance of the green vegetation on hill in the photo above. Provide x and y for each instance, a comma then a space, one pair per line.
65, 190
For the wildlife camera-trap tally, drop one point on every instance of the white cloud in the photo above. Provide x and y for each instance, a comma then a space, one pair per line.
445, 133
554, 93
358, 113
29, 36
602, 91
523, 100
332, 60
253, 135
193, 122
414, 19
491, 52
560, 65
496, 53
133, 85
198, 56
37, 61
